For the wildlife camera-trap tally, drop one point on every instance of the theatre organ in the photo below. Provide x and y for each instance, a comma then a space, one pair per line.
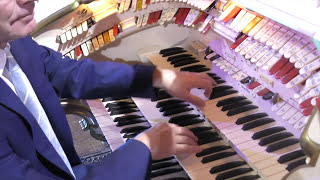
263, 55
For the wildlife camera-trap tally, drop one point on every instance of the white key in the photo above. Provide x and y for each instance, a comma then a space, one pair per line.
284, 109
84, 26
74, 32
295, 118
90, 46
289, 113
264, 30
68, 35
277, 106
85, 50
63, 38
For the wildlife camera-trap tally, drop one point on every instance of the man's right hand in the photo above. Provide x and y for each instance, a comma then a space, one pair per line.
164, 140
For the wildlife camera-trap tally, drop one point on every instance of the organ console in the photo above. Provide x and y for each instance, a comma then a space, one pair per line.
260, 122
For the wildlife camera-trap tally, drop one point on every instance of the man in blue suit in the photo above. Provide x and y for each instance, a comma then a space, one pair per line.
39, 146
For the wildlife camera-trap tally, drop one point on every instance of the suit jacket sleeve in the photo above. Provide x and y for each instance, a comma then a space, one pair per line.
87, 79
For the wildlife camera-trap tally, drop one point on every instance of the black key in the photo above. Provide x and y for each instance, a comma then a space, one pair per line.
117, 104
208, 50
257, 123
123, 111
226, 166
179, 120
206, 134
179, 56
163, 165
189, 122
296, 164
200, 129
250, 118
170, 49
217, 156
169, 53
216, 78
241, 110
268, 96
179, 178
176, 111
161, 96
134, 129
249, 177
230, 100
199, 70
131, 135
173, 106
105, 99
164, 159
183, 117
267, 132
219, 81
121, 107
169, 102
233, 173
124, 123
282, 144
181, 59
221, 88
212, 74
162, 172
246, 80
214, 57
182, 63
291, 156
212, 150
127, 118
207, 140
274, 138
222, 93
188, 68
235, 105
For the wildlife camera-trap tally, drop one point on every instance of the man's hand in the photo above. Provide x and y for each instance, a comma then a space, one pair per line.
164, 140
179, 84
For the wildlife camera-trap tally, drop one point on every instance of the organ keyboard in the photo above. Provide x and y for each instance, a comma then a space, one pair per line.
266, 68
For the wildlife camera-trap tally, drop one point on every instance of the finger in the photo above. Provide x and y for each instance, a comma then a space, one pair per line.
184, 132
194, 100
187, 149
179, 139
203, 84
207, 77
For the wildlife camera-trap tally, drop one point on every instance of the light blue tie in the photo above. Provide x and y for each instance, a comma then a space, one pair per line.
27, 95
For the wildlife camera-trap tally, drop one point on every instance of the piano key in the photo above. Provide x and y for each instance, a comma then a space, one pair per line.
124, 123
221, 88
295, 164
250, 118
180, 56
173, 52
177, 60
221, 94
176, 111
217, 156
241, 110
212, 150
188, 68
226, 166
200, 129
291, 156
282, 144
189, 122
169, 102
173, 106
230, 100
186, 62
184, 116
162, 51
162, 172
199, 70
206, 140
121, 107
116, 104
127, 118
267, 132
123, 111
134, 129
235, 105
160, 165
274, 138
233, 173
248, 177
164, 159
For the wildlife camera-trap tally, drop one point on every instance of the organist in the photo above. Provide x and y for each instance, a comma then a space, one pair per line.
35, 139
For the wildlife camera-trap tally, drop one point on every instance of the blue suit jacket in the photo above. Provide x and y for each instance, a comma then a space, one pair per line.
26, 153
